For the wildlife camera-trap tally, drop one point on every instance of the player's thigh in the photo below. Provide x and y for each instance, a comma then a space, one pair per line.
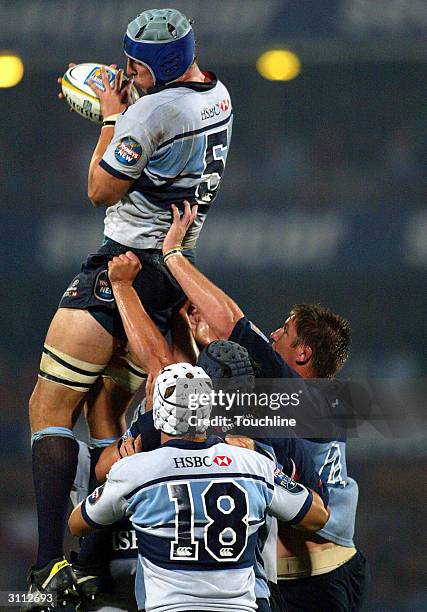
78, 334
74, 339
105, 407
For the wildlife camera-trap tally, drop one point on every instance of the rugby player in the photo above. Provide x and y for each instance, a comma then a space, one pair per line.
220, 360
149, 154
322, 571
184, 554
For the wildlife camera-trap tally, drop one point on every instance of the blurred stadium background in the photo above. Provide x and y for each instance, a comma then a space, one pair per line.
323, 199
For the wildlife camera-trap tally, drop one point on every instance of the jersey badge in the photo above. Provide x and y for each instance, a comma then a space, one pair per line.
95, 496
102, 290
128, 152
282, 480
72, 290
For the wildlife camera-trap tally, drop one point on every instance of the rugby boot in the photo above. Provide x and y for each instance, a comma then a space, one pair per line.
94, 585
52, 588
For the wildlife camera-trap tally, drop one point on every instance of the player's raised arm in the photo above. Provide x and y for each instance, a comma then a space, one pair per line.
219, 311
103, 188
147, 345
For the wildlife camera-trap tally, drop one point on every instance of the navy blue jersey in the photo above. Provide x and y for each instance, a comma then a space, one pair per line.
294, 458
327, 454
267, 363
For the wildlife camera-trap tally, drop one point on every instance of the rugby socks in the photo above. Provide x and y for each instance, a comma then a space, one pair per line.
95, 548
54, 453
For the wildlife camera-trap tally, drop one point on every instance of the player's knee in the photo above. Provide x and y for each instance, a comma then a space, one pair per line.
62, 369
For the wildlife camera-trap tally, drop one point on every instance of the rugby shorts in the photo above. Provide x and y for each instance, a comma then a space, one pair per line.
342, 590
157, 289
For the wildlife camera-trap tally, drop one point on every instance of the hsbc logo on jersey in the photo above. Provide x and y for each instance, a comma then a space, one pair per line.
224, 104
222, 460
195, 462
209, 112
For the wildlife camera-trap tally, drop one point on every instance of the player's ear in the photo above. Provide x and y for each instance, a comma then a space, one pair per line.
304, 353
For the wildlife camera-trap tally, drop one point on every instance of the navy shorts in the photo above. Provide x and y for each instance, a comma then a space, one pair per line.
263, 605
157, 289
277, 603
342, 590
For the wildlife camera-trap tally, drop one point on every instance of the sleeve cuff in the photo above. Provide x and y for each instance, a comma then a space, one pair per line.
237, 330
303, 510
87, 518
114, 172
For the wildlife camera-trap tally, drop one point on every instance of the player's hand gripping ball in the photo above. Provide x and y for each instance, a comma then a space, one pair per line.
80, 96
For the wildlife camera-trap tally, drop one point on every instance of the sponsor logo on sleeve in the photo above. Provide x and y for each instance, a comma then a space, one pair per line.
128, 152
96, 495
282, 480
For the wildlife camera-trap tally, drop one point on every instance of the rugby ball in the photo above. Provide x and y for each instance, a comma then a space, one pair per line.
80, 96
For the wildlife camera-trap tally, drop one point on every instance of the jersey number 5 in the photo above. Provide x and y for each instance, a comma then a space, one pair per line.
225, 505
215, 154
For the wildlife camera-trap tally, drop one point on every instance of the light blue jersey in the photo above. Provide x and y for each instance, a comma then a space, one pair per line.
173, 143
196, 508
329, 458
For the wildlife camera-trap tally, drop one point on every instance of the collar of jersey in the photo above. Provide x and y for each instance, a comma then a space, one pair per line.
194, 85
192, 445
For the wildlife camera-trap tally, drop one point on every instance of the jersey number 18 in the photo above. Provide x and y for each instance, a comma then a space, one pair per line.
225, 505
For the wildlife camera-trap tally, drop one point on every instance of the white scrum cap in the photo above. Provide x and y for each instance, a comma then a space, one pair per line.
175, 394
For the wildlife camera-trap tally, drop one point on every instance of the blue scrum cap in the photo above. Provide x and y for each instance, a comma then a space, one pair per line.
163, 41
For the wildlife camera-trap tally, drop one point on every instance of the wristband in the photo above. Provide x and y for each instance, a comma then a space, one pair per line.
110, 120
177, 247
172, 253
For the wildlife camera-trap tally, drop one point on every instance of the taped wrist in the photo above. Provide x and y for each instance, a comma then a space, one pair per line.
176, 250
